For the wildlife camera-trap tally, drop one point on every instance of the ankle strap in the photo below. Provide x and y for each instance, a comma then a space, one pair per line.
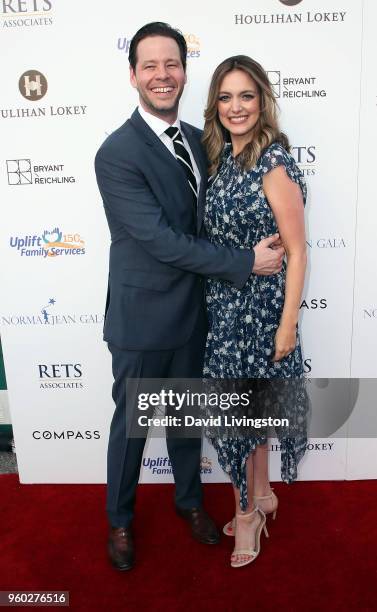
265, 496
249, 513
256, 509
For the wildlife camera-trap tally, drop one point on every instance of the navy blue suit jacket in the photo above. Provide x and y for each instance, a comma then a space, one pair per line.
159, 256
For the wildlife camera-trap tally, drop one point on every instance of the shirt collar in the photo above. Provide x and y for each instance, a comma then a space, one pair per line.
155, 123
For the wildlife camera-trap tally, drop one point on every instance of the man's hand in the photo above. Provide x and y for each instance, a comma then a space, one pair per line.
268, 256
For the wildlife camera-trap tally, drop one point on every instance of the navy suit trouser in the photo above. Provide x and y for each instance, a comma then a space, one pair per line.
125, 453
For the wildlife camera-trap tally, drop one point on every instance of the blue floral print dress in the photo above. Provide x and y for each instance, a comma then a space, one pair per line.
243, 322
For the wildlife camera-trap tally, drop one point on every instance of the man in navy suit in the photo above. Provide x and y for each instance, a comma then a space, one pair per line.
153, 194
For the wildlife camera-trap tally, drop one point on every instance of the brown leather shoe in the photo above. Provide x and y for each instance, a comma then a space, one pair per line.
121, 548
203, 528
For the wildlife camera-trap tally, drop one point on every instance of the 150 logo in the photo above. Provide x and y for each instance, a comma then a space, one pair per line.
193, 45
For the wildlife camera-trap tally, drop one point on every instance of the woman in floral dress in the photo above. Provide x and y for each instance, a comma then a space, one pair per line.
255, 190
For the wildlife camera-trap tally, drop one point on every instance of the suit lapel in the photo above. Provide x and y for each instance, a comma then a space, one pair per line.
152, 140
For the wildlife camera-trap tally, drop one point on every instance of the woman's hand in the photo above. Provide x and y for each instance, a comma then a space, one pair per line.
285, 341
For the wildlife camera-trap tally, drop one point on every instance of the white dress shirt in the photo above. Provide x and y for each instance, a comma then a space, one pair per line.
159, 126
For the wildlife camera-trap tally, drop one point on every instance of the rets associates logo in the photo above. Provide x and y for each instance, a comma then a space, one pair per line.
60, 376
26, 13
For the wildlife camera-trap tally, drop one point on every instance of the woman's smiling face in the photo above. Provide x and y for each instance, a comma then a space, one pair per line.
239, 104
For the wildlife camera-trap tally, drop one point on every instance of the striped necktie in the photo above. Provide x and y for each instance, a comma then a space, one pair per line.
183, 158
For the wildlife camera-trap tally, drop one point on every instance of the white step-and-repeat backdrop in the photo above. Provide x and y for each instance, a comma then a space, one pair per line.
65, 86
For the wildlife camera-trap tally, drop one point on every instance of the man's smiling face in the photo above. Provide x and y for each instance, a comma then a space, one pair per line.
159, 76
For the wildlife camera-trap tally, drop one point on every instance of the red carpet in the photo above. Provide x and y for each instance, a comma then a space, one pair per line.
321, 553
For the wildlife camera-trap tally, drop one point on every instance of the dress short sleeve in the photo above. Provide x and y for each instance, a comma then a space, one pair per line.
275, 155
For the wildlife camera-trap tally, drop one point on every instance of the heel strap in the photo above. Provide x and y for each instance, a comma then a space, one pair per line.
256, 509
270, 496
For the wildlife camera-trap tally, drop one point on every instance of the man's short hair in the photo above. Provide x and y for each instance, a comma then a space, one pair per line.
157, 28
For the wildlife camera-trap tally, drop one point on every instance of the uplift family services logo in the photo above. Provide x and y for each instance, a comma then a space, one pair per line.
192, 41
50, 244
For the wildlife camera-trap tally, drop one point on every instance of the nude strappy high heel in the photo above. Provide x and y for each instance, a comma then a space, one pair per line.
267, 503
271, 505
251, 552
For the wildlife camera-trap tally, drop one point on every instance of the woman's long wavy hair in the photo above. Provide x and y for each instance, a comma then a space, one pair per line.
266, 130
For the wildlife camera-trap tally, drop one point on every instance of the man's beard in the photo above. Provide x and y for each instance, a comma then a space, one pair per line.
162, 111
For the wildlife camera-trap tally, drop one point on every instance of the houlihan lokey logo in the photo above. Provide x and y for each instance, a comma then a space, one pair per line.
290, 2
289, 17
33, 85
51, 243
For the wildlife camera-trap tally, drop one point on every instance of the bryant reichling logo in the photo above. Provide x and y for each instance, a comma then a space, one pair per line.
20, 172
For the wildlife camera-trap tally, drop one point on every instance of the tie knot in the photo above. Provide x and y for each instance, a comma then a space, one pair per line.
172, 132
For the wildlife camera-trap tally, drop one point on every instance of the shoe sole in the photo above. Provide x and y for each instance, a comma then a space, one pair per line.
121, 569
209, 542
